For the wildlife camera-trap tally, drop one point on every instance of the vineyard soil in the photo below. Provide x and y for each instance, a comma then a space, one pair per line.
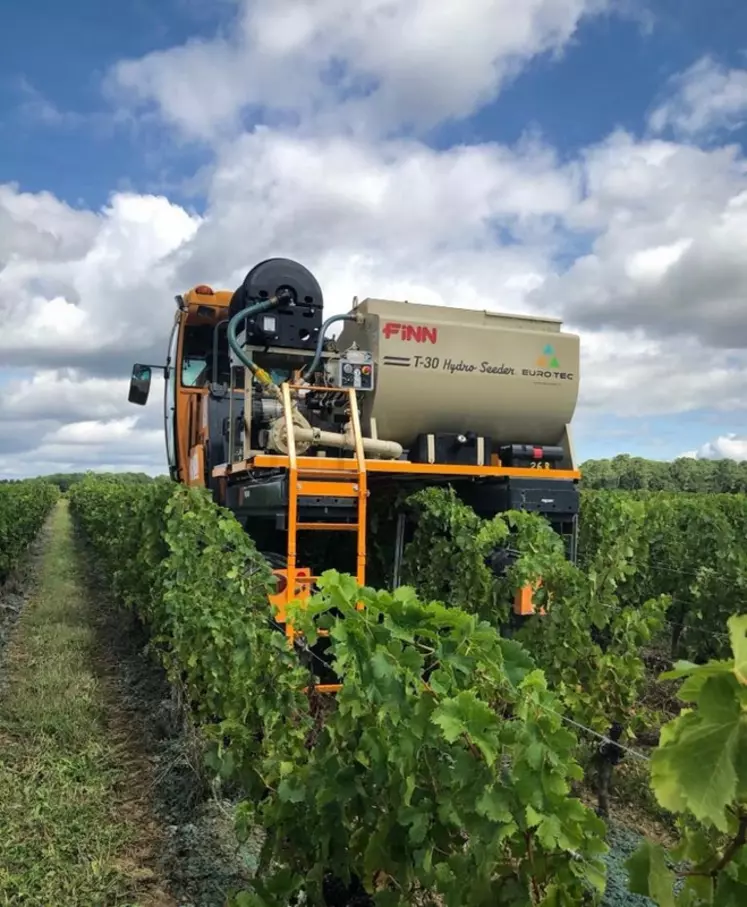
200, 854
75, 826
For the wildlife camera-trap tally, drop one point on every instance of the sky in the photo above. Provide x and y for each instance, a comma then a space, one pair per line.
582, 159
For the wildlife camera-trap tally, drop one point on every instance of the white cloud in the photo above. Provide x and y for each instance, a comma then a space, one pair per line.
117, 445
668, 228
93, 432
398, 219
650, 233
66, 421
651, 265
84, 287
37, 108
38, 228
369, 66
629, 373
725, 447
91, 443
705, 98
62, 394
393, 217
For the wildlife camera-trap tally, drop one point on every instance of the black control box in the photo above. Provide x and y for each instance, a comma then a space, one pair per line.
451, 448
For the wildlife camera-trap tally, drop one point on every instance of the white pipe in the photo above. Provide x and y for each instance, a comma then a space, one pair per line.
390, 450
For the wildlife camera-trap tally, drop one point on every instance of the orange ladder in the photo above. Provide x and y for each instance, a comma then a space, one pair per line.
347, 482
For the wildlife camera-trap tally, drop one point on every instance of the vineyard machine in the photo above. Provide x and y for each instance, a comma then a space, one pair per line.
297, 433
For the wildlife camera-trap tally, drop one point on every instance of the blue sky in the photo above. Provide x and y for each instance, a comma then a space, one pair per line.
609, 76
612, 73
575, 109
54, 62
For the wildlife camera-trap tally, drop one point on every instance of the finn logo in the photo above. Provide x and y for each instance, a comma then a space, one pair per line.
417, 333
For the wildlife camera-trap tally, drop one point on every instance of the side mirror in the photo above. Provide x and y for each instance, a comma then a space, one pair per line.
140, 384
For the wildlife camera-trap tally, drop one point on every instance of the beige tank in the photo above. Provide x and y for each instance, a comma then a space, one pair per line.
440, 369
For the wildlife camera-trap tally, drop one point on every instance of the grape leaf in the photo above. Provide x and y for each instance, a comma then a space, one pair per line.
738, 637
650, 875
493, 804
695, 768
730, 893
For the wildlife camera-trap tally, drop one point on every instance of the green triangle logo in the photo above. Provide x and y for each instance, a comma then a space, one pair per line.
554, 363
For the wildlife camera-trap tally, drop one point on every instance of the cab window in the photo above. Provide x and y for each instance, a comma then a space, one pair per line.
197, 355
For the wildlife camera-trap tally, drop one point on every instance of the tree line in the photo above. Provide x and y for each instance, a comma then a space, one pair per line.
65, 480
630, 473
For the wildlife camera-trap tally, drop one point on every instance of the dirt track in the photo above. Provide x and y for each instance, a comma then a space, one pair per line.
103, 801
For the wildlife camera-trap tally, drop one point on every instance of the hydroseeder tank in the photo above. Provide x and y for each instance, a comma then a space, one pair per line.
297, 433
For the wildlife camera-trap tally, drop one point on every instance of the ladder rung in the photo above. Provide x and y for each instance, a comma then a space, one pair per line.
327, 489
336, 473
338, 527
326, 688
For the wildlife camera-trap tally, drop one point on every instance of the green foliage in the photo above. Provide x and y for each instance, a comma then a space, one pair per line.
588, 644
442, 765
124, 521
212, 623
458, 785
699, 772
446, 558
195, 577
24, 506
689, 547
442, 768
684, 474
65, 480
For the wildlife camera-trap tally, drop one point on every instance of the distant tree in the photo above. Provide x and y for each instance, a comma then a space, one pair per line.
64, 480
682, 474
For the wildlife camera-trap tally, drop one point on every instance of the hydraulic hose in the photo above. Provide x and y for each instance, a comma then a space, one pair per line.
259, 373
309, 370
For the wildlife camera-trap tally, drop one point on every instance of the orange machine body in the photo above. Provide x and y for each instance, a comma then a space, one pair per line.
199, 405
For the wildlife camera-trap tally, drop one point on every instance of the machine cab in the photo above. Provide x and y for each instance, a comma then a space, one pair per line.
196, 360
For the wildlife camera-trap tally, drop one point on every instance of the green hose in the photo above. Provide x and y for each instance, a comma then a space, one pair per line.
309, 370
259, 373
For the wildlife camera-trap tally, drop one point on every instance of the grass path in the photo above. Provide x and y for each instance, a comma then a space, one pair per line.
74, 823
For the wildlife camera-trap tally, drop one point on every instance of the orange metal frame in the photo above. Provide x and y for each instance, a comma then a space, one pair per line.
331, 476
396, 467
317, 476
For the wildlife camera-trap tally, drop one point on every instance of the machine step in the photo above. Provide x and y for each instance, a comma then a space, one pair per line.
330, 527
345, 475
308, 488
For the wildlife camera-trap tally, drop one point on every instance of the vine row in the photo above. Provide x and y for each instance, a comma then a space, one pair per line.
24, 506
442, 772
